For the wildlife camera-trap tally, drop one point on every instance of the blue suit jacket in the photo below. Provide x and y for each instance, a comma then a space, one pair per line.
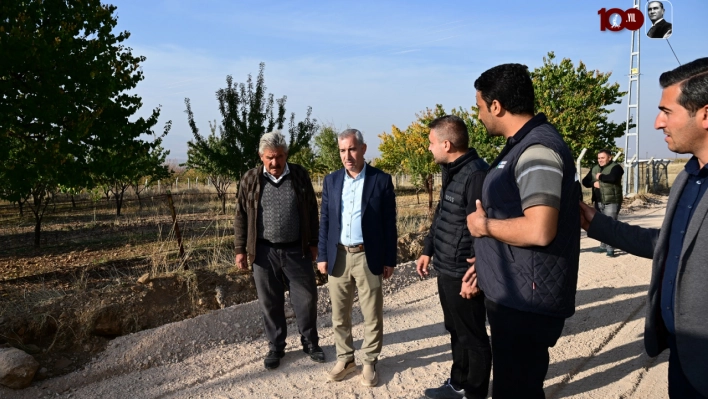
378, 219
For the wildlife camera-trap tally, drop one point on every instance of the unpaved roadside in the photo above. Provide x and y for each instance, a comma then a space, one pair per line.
219, 355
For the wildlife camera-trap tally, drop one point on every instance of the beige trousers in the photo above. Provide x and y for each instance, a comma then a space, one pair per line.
350, 271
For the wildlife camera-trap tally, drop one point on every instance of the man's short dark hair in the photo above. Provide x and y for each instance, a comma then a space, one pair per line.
605, 151
660, 3
511, 85
693, 81
453, 129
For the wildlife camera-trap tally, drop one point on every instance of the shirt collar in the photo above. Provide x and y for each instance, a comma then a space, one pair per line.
273, 178
359, 176
693, 168
659, 20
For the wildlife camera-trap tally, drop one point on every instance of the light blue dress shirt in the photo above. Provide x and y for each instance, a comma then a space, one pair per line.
352, 191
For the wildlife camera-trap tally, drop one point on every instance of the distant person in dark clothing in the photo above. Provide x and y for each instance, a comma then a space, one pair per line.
450, 244
660, 29
605, 179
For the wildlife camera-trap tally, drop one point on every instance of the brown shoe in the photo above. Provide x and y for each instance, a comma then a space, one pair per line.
341, 370
369, 376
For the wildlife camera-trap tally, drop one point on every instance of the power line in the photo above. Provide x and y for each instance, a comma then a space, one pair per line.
672, 50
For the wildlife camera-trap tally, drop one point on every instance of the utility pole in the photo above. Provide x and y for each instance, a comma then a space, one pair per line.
631, 136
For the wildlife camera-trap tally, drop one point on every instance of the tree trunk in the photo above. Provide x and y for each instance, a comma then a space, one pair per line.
119, 202
40, 201
140, 202
37, 230
223, 203
21, 204
73, 203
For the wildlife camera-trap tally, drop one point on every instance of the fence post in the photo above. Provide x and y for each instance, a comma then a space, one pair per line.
577, 164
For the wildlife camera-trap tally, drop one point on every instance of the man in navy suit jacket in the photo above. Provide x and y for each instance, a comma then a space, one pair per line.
357, 248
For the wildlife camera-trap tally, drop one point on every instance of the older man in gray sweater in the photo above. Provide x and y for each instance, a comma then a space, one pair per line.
276, 229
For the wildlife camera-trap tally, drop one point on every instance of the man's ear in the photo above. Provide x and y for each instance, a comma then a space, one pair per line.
702, 114
447, 145
495, 108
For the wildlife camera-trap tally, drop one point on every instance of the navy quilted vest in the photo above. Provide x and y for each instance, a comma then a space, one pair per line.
533, 279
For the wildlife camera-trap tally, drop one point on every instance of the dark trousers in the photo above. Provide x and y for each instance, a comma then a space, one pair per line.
274, 270
471, 352
679, 386
520, 342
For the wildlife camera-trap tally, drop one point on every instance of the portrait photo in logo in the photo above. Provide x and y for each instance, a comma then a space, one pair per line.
657, 12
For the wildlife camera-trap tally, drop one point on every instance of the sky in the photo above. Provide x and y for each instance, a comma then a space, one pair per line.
373, 64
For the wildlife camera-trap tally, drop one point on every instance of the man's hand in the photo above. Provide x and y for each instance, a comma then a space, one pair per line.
597, 176
421, 265
388, 272
477, 221
322, 267
469, 281
587, 213
596, 184
313, 252
241, 261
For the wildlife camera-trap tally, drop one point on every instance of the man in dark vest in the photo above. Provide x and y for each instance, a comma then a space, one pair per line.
528, 241
605, 180
276, 230
449, 242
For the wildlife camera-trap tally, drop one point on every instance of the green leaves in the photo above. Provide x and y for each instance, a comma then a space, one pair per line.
576, 102
247, 113
66, 116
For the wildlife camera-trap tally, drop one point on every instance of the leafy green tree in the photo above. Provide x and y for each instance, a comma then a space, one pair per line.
206, 157
118, 168
327, 149
65, 79
309, 160
488, 147
576, 102
406, 151
150, 168
247, 113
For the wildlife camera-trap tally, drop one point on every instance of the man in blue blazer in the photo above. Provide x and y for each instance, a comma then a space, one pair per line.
678, 298
357, 248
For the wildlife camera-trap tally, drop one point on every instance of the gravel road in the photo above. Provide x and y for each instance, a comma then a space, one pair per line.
220, 354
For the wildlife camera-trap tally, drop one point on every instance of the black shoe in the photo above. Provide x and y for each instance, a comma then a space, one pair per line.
446, 391
611, 254
272, 359
316, 353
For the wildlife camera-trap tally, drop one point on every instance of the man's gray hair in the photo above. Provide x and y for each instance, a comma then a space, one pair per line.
352, 132
272, 140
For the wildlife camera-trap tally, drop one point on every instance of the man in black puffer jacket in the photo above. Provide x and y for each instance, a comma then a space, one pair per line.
450, 243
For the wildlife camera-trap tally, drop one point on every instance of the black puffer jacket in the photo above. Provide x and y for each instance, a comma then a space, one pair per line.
449, 241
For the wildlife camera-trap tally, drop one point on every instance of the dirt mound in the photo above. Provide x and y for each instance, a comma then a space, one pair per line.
64, 331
